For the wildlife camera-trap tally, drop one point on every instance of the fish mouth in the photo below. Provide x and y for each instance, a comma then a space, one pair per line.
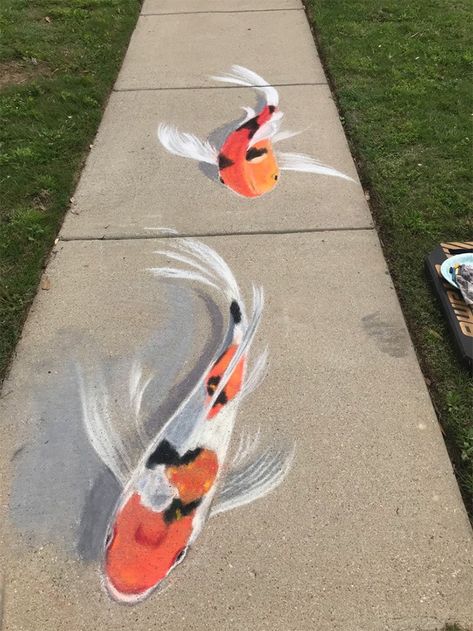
124, 597
132, 598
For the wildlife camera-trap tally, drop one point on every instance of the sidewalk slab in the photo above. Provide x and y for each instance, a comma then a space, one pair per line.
207, 44
131, 183
153, 7
368, 532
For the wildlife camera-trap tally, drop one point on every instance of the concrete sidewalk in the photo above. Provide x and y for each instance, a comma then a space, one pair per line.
368, 532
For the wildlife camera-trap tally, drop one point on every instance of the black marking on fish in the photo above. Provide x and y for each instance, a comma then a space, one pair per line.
212, 384
271, 108
178, 509
180, 556
235, 312
222, 399
252, 126
253, 153
224, 162
167, 455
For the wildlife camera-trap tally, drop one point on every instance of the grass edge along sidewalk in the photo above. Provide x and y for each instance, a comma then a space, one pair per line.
58, 63
399, 72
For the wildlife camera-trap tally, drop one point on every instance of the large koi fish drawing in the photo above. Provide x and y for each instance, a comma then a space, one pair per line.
247, 162
183, 476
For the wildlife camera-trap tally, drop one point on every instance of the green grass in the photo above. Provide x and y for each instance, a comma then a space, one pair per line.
67, 54
401, 72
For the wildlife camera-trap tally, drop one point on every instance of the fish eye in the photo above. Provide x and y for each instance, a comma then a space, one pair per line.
275, 177
180, 556
108, 537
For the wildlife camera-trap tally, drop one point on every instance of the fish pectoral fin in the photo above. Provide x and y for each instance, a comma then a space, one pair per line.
102, 435
305, 164
284, 135
187, 145
253, 480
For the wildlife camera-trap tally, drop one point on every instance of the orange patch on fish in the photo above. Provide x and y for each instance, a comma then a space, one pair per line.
251, 176
144, 547
232, 386
196, 478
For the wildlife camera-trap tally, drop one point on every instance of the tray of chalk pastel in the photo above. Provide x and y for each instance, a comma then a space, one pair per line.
451, 266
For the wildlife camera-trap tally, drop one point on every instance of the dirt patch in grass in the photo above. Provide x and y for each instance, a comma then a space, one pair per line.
21, 72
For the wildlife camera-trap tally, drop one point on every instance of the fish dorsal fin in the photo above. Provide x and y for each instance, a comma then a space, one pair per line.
305, 164
253, 476
268, 129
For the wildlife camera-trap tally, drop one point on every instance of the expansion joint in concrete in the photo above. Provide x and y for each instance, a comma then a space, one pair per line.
145, 237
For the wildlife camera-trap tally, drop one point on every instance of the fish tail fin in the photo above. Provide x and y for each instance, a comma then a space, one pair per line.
200, 263
239, 75
186, 145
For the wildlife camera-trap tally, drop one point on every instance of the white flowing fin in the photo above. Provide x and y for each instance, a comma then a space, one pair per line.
250, 113
102, 436
171, 272
215, 264
187, 145
137, 386
268, 130
246, 446
239, 75
253, 480
284, 135
306, 164
206, 267
257, 374
243, 347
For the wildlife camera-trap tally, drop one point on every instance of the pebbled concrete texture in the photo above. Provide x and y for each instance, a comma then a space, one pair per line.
131, 183
203, 44
152, 7
367, 532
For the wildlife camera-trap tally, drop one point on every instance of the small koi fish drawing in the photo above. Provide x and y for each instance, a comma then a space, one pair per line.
247, 163
183, 477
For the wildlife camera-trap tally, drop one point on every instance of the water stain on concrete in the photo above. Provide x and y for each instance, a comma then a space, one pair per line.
392, 339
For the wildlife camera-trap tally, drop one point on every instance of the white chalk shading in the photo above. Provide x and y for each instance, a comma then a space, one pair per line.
284, 135
239, 75
137, 385
186, 145
100, 430
246, 445
257, 374
253, 478
305, 164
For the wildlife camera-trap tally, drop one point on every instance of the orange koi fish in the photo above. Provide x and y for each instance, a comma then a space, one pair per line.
179, 480
246, 162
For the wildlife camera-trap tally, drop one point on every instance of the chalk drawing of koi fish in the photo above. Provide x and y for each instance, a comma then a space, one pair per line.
247, 163
181, 479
